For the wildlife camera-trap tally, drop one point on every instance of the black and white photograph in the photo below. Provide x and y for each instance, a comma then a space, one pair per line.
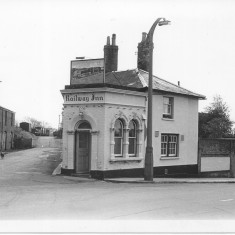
117, 116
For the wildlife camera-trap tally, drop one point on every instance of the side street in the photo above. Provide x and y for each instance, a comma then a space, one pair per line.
28, 191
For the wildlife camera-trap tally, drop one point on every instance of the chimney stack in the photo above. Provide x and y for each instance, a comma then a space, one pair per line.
111, 55
143, 53
144, 36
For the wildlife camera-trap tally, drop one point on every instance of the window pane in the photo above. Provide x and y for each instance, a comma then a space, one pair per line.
163, 149
132, 145
118, 129
84, 125
166, 100
164, 138
132, 129
172, 145
118, 146
167, 107
169, 145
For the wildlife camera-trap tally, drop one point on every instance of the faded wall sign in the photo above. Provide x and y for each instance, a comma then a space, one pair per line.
86, 69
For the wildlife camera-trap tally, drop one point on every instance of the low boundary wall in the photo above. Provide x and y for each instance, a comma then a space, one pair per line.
216, 157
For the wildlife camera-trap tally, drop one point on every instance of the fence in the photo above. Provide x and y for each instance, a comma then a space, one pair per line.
216, 157
23, 143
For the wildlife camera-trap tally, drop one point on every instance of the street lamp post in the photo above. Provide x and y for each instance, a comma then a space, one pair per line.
2, 129
148, 170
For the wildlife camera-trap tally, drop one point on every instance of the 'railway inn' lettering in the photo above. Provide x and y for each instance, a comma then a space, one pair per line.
78, 98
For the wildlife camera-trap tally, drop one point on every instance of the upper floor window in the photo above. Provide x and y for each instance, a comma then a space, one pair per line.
5, 118
132, 139
118, 138
12, 119
169, 145
168, 105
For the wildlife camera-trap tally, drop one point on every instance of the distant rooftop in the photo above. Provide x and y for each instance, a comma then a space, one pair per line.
6, 109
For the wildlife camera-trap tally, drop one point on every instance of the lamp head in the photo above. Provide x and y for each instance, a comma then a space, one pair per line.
164, 22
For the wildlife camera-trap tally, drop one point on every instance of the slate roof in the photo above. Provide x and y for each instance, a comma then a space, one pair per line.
163, 85
136, 78
6, 109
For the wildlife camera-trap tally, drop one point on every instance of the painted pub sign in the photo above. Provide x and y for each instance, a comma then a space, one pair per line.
83, 98
86, 69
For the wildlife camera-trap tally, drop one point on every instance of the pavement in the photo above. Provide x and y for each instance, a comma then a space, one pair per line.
155, 180
172, 180
86, 178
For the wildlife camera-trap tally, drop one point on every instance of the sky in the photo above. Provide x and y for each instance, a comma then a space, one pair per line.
39, 38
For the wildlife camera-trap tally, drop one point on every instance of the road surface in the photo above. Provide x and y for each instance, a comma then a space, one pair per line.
28, 191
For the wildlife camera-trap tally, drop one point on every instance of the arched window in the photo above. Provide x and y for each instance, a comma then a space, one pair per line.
132, 138
118, 138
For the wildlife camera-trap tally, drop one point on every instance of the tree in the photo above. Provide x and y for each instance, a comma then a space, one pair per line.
215, 121
34, 123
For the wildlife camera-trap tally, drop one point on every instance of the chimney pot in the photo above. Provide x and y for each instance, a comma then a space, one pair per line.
178, 83
144, 36
114, 39
108, 40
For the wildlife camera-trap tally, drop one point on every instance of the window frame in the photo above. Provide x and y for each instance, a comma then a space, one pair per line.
5, 118
12, 118
165, 151
170, 104
119, 155
135, 139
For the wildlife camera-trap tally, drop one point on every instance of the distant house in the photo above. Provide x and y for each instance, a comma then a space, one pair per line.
104, 124
7, 123
24, 139
26, 126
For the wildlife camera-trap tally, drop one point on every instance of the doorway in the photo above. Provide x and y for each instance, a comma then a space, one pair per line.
83, 148
4, 141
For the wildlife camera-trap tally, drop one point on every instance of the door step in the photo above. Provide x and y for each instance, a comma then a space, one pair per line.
83, 175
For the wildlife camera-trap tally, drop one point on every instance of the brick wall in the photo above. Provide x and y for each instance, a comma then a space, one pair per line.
216, 157
7, 123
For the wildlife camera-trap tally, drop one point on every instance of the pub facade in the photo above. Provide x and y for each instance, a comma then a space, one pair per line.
105, 121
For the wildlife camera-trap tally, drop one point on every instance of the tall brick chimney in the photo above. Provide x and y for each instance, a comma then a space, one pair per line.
143, 53
111, 55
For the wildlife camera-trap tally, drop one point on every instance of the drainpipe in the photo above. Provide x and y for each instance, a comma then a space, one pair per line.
2, 130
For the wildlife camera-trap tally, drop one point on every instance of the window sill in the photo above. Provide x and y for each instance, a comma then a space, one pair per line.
131, 159
168, 119
168, 158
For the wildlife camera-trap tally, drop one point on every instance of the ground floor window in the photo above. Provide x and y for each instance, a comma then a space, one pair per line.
118, 138
126, 139
132, 139
169, 145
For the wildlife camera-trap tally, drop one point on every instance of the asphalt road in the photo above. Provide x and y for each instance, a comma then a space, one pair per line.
28, 191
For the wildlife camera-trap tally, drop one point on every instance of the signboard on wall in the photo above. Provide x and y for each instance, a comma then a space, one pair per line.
91, 71
83, 98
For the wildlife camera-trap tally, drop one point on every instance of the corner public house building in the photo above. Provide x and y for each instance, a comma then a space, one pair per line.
104, 122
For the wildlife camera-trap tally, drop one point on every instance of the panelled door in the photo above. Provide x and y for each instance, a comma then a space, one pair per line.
82, 151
